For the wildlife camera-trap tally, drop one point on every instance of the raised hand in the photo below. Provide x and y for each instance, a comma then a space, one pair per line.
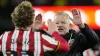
77, 20
51, 27
38, 22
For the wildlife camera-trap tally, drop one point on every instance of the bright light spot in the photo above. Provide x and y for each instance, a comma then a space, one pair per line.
48, 15
70, 14
97, 17
84, 16
38, 11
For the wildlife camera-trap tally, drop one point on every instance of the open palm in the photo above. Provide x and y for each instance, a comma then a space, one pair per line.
51, 27
77, 20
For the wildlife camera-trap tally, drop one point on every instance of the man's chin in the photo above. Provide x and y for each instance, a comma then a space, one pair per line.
61, 33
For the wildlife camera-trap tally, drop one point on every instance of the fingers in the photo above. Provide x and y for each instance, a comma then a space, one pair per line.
75, 12
79, 13
50, 26
49, 22
39, 17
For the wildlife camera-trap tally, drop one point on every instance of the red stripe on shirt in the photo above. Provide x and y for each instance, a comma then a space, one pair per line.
50, 45
1, 39
31, 42
8, 42
63, 42
19, 42
42, 51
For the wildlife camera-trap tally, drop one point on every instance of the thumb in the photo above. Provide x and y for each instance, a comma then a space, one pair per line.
49, 21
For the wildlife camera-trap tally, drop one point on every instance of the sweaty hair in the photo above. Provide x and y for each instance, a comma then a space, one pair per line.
23, 15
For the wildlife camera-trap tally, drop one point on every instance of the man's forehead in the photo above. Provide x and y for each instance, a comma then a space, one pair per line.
61, 17
60, 20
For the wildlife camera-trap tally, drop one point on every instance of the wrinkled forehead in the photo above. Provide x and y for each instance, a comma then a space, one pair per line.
61, 18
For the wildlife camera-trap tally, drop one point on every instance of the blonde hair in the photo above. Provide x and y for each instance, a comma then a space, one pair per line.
23, 14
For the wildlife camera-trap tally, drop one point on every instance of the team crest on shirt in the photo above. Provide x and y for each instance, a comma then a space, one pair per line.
70, 42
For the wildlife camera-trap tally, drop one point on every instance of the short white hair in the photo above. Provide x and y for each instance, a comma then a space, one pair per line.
63, 13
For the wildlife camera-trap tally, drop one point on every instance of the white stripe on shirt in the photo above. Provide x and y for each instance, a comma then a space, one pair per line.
27, 40
4, 39
49, 39
14, 40
37, 44
47, 48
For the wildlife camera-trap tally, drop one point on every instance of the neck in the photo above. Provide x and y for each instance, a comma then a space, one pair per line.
27, 28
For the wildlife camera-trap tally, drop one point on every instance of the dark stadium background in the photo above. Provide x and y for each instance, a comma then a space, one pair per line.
7, 6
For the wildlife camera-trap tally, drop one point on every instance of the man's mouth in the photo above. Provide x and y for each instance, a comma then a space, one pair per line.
60, 29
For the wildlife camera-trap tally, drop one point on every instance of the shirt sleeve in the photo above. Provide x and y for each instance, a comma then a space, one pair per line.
49, 43
52, 44
1, 41
62, 45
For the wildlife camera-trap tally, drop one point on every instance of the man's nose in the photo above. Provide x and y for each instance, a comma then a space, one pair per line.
59, 26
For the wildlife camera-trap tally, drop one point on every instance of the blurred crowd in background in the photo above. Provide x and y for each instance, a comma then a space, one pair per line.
7, 6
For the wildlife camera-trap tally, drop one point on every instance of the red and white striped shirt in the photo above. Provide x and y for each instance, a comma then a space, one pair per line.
26, 43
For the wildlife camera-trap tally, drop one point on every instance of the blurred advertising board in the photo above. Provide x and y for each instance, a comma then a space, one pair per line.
90, 14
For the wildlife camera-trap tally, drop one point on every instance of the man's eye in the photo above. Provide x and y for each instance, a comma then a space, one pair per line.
63, 22
56, 23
